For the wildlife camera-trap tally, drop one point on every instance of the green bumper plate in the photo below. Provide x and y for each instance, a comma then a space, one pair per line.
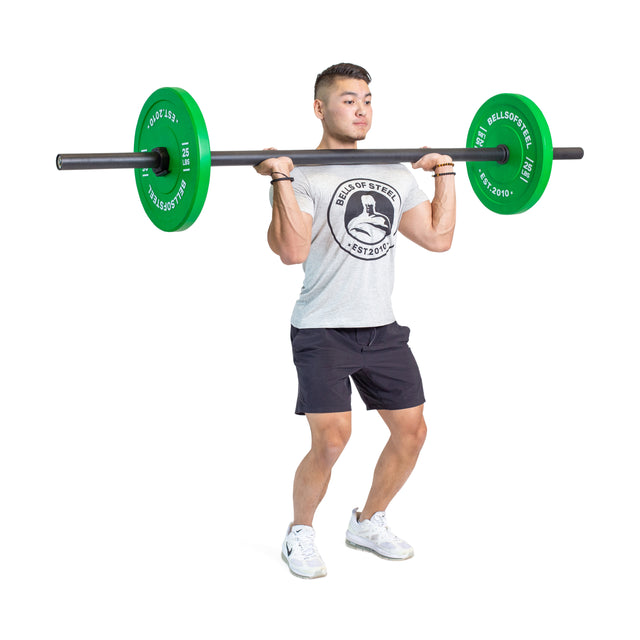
516, 122
171, 118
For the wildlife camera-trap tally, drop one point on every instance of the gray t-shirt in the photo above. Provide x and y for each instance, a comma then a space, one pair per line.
349, 272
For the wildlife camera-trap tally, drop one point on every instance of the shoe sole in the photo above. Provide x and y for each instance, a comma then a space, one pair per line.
359, 547
299, 575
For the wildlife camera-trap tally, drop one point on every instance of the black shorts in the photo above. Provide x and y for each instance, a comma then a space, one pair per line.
378, 359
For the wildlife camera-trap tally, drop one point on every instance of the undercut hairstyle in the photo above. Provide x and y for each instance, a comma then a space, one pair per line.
342, 70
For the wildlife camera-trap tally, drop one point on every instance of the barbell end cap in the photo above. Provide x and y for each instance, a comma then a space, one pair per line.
59, 162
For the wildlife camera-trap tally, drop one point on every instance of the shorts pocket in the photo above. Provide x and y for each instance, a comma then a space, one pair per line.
401, 333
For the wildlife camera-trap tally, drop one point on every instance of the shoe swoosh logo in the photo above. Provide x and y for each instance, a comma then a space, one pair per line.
289, 549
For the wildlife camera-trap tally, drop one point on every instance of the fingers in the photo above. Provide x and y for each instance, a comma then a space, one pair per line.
263, 167
271, 165
430, 160
423, 161
268, 165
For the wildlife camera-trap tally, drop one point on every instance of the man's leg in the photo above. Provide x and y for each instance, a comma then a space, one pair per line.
408, 433
330, 433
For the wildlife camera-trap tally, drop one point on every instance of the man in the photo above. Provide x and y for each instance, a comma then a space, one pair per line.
341, 223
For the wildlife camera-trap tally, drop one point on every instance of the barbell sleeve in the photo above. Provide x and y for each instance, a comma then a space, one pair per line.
568, 153
140, 160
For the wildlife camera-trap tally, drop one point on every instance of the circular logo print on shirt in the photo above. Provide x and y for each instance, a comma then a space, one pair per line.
362, 218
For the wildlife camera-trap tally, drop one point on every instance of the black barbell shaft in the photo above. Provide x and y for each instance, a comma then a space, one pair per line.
356, 156
498, 154
153, 159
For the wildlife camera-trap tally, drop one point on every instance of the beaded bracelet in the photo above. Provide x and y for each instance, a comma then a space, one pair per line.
444, 164
437, 175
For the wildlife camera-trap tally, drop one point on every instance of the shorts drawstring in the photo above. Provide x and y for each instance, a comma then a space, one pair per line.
371, 338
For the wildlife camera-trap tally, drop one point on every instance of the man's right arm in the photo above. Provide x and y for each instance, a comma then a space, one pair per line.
289, 234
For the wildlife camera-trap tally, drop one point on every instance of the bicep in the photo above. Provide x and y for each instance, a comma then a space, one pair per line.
415, 224
289, 235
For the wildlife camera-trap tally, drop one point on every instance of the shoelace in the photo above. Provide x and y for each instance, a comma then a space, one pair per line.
382, 529
306, 542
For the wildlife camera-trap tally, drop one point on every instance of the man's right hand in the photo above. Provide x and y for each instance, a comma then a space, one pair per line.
272, 165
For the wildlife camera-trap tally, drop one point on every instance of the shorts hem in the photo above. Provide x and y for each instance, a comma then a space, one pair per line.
303, 412
407, 405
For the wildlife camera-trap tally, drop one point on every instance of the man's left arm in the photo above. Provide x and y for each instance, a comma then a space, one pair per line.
431, 224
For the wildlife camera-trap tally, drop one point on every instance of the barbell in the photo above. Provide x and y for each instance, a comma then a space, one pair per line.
509, 152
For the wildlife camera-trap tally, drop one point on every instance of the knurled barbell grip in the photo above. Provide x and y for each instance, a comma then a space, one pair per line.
498, 154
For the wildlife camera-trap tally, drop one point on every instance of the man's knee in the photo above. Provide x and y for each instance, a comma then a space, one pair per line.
413, 435
420, 433
330, 434
407, 427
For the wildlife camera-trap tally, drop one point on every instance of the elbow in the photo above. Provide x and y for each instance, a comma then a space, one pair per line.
289, 260
295, 252
444, 240
439, 243
294, 256
443, 245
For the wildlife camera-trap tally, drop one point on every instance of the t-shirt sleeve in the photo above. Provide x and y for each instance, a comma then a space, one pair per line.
302, 191
415, 195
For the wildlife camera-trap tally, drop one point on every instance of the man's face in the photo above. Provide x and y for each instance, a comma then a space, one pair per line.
345, 110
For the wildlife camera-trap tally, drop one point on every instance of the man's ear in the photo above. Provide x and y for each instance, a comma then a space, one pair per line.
318, 109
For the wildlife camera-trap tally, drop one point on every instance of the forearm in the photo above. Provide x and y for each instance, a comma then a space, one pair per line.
289, 233
432, 226
443, 205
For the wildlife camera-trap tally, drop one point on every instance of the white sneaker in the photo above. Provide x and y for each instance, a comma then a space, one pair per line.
300, 553
374, 535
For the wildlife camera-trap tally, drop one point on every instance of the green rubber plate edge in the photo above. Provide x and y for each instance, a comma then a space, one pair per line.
541, 136
200, 165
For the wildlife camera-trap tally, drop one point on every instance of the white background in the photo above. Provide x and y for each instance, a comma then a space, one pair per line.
148, 440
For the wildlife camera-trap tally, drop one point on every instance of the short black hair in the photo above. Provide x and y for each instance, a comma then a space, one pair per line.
341, 70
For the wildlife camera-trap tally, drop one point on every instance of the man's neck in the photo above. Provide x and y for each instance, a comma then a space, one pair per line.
328, 142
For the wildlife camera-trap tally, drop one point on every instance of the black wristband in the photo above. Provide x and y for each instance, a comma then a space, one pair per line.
437, 175
281, 179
